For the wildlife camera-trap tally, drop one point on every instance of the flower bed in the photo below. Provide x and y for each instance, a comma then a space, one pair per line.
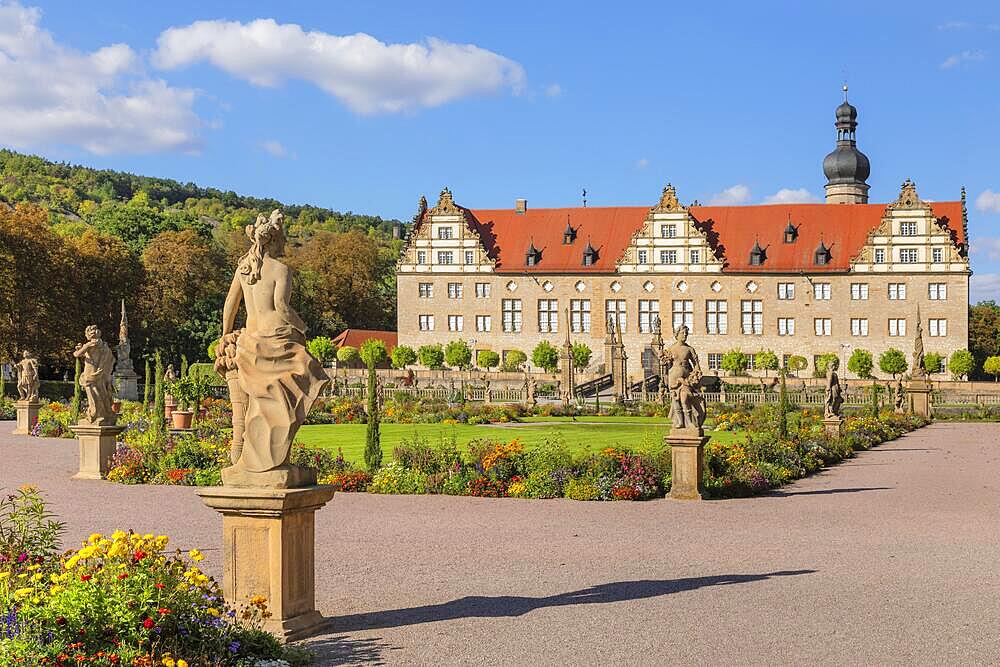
756, 462
121, 599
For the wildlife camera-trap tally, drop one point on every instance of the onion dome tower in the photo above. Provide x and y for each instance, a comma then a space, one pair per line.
846, 168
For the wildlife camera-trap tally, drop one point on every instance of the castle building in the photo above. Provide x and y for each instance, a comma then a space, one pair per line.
796, 279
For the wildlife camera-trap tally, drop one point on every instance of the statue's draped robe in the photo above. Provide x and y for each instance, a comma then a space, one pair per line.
96, 381
281, 380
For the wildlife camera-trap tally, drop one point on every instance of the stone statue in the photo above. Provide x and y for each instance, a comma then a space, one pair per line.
98, 363
834, 397
900, 398
918, 371
225, 365
124, 349
687, 407
169, 375
28, 381
274, 369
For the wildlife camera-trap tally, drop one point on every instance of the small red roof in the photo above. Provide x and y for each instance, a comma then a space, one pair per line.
355, 337
843, 228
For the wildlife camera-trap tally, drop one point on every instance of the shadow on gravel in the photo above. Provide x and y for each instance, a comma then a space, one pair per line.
823, 492
345, 651
476, 606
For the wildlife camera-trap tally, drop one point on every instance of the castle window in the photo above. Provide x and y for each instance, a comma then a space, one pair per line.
757, 255
614, 311
752, 316
579, 315
445, 232
643, 256
937, 327
454, 290
484, 323
511, 315
897, 291
668, 231
470, 257
822, 255
937, 255
421, 257
668, 257
455, 322
786, 291
446, 257
716, 316
791, 233
907, 229
908, 255
532, 256
859, 291
821, 291
695, 256
786, 326
859, 326
683, 313
715, 361
649, 313
880, 255
822, 326
897, 327
589, 255
937, 291
548, 315
426, 322
425, 290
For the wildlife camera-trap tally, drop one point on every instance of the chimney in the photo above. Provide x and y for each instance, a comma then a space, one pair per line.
520, 206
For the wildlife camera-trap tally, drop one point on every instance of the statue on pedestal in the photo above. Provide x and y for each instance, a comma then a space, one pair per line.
98, 363
900, 398
28, 382
530, 386
834, 396
687, 406
274, 369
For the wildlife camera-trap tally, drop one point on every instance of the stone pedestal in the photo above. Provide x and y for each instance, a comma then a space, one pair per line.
127, 384
919, 395
97, 446
27, 416
687, 453
833, 426
268, 549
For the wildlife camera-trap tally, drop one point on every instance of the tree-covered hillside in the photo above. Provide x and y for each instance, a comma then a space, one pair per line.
74, 241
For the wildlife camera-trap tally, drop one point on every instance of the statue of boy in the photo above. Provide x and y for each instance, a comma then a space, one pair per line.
28, 382
900, 404
834, 397
687, 407
98, 363
275, 371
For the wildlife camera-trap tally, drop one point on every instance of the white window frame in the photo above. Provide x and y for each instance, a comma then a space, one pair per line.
786, 291
821, 291
752, 317
879, 257
907, 228
425, 290
455, 322
786, 326
482, 290
579, 315
909, 256
859, 326
668, 257
694, 256
682, 312
484, 323
425, 322
446, 233
445, 257
643, 257
548, 315
616, 309
470, 257
937, 327
859, 291
822, 326
668, 231
717, 317
454, 290
897, 291
937, 255
937, 291
897, 327
421, 257
649, 312
512, 315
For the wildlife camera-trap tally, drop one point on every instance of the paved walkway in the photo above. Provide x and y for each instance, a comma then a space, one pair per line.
890, 558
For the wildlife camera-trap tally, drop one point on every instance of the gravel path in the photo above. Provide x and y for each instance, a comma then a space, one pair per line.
890, 558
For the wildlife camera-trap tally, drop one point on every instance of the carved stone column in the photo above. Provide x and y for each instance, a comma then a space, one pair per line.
268, 538
97, 446
918, 392
687, 454
27, 416
833, 426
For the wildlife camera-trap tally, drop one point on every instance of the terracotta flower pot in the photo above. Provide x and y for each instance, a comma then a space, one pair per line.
182, 418
168, 410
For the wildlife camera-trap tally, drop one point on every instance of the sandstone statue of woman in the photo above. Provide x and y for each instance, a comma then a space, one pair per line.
28, 382
834, 396
683, 375
280, 380
98, 362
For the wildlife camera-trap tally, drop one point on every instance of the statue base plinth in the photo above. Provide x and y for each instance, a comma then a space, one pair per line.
687, 470
27, 416
918, 392
127, 384
269, 550
283, 477
833, 426
97, 446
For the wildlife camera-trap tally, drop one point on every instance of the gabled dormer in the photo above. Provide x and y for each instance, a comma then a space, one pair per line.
442, 240
669, 241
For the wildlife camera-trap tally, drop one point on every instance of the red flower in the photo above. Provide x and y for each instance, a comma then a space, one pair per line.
123, 576
139, 555
149, 624
163, 611
60, 620
86, 577
114, 658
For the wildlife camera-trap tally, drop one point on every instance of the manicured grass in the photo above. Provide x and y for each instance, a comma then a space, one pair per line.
578, 436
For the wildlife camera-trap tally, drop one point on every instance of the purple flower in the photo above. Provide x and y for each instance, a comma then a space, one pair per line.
234, 647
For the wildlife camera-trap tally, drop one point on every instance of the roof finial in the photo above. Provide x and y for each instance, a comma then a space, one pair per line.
845, 91
585, 197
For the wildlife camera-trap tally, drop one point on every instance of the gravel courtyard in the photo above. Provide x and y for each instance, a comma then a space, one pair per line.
892, 557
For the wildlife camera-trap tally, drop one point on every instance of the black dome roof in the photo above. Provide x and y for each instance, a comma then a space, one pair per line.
846, 164
846, 113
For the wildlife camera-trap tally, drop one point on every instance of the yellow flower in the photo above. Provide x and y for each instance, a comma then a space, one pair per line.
4, 575
118, 535
56, 590
212, 611
182, 663
71, 563
258, 600
22, 593
38, 576
94, 537
196, 555
168, 661
86, 552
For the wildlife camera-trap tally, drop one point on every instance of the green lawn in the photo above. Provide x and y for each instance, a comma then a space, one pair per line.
580, 435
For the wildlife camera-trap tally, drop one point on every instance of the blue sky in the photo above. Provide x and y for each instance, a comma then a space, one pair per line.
729, 101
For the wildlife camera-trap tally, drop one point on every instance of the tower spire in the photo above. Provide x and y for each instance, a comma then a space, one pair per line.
846, 168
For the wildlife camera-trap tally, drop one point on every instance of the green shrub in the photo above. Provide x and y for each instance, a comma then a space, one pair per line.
545, 356
581, 356
487, 359
892, 361
961, 364
320, 459
403, 356
27, 529
735, 362
372, 352
581, 488
322, 348
513, 360
861, 363
347, 354
431, 356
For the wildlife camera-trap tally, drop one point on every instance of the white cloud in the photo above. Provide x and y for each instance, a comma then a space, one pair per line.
54, 95
789, 196
738, 194
984, 287
274, 148
553, 90
988, 201
367, 75
954, 25
642, 163
958, 58
985, 247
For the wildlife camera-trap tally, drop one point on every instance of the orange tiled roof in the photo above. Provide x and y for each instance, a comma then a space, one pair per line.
355, 337
733, 229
